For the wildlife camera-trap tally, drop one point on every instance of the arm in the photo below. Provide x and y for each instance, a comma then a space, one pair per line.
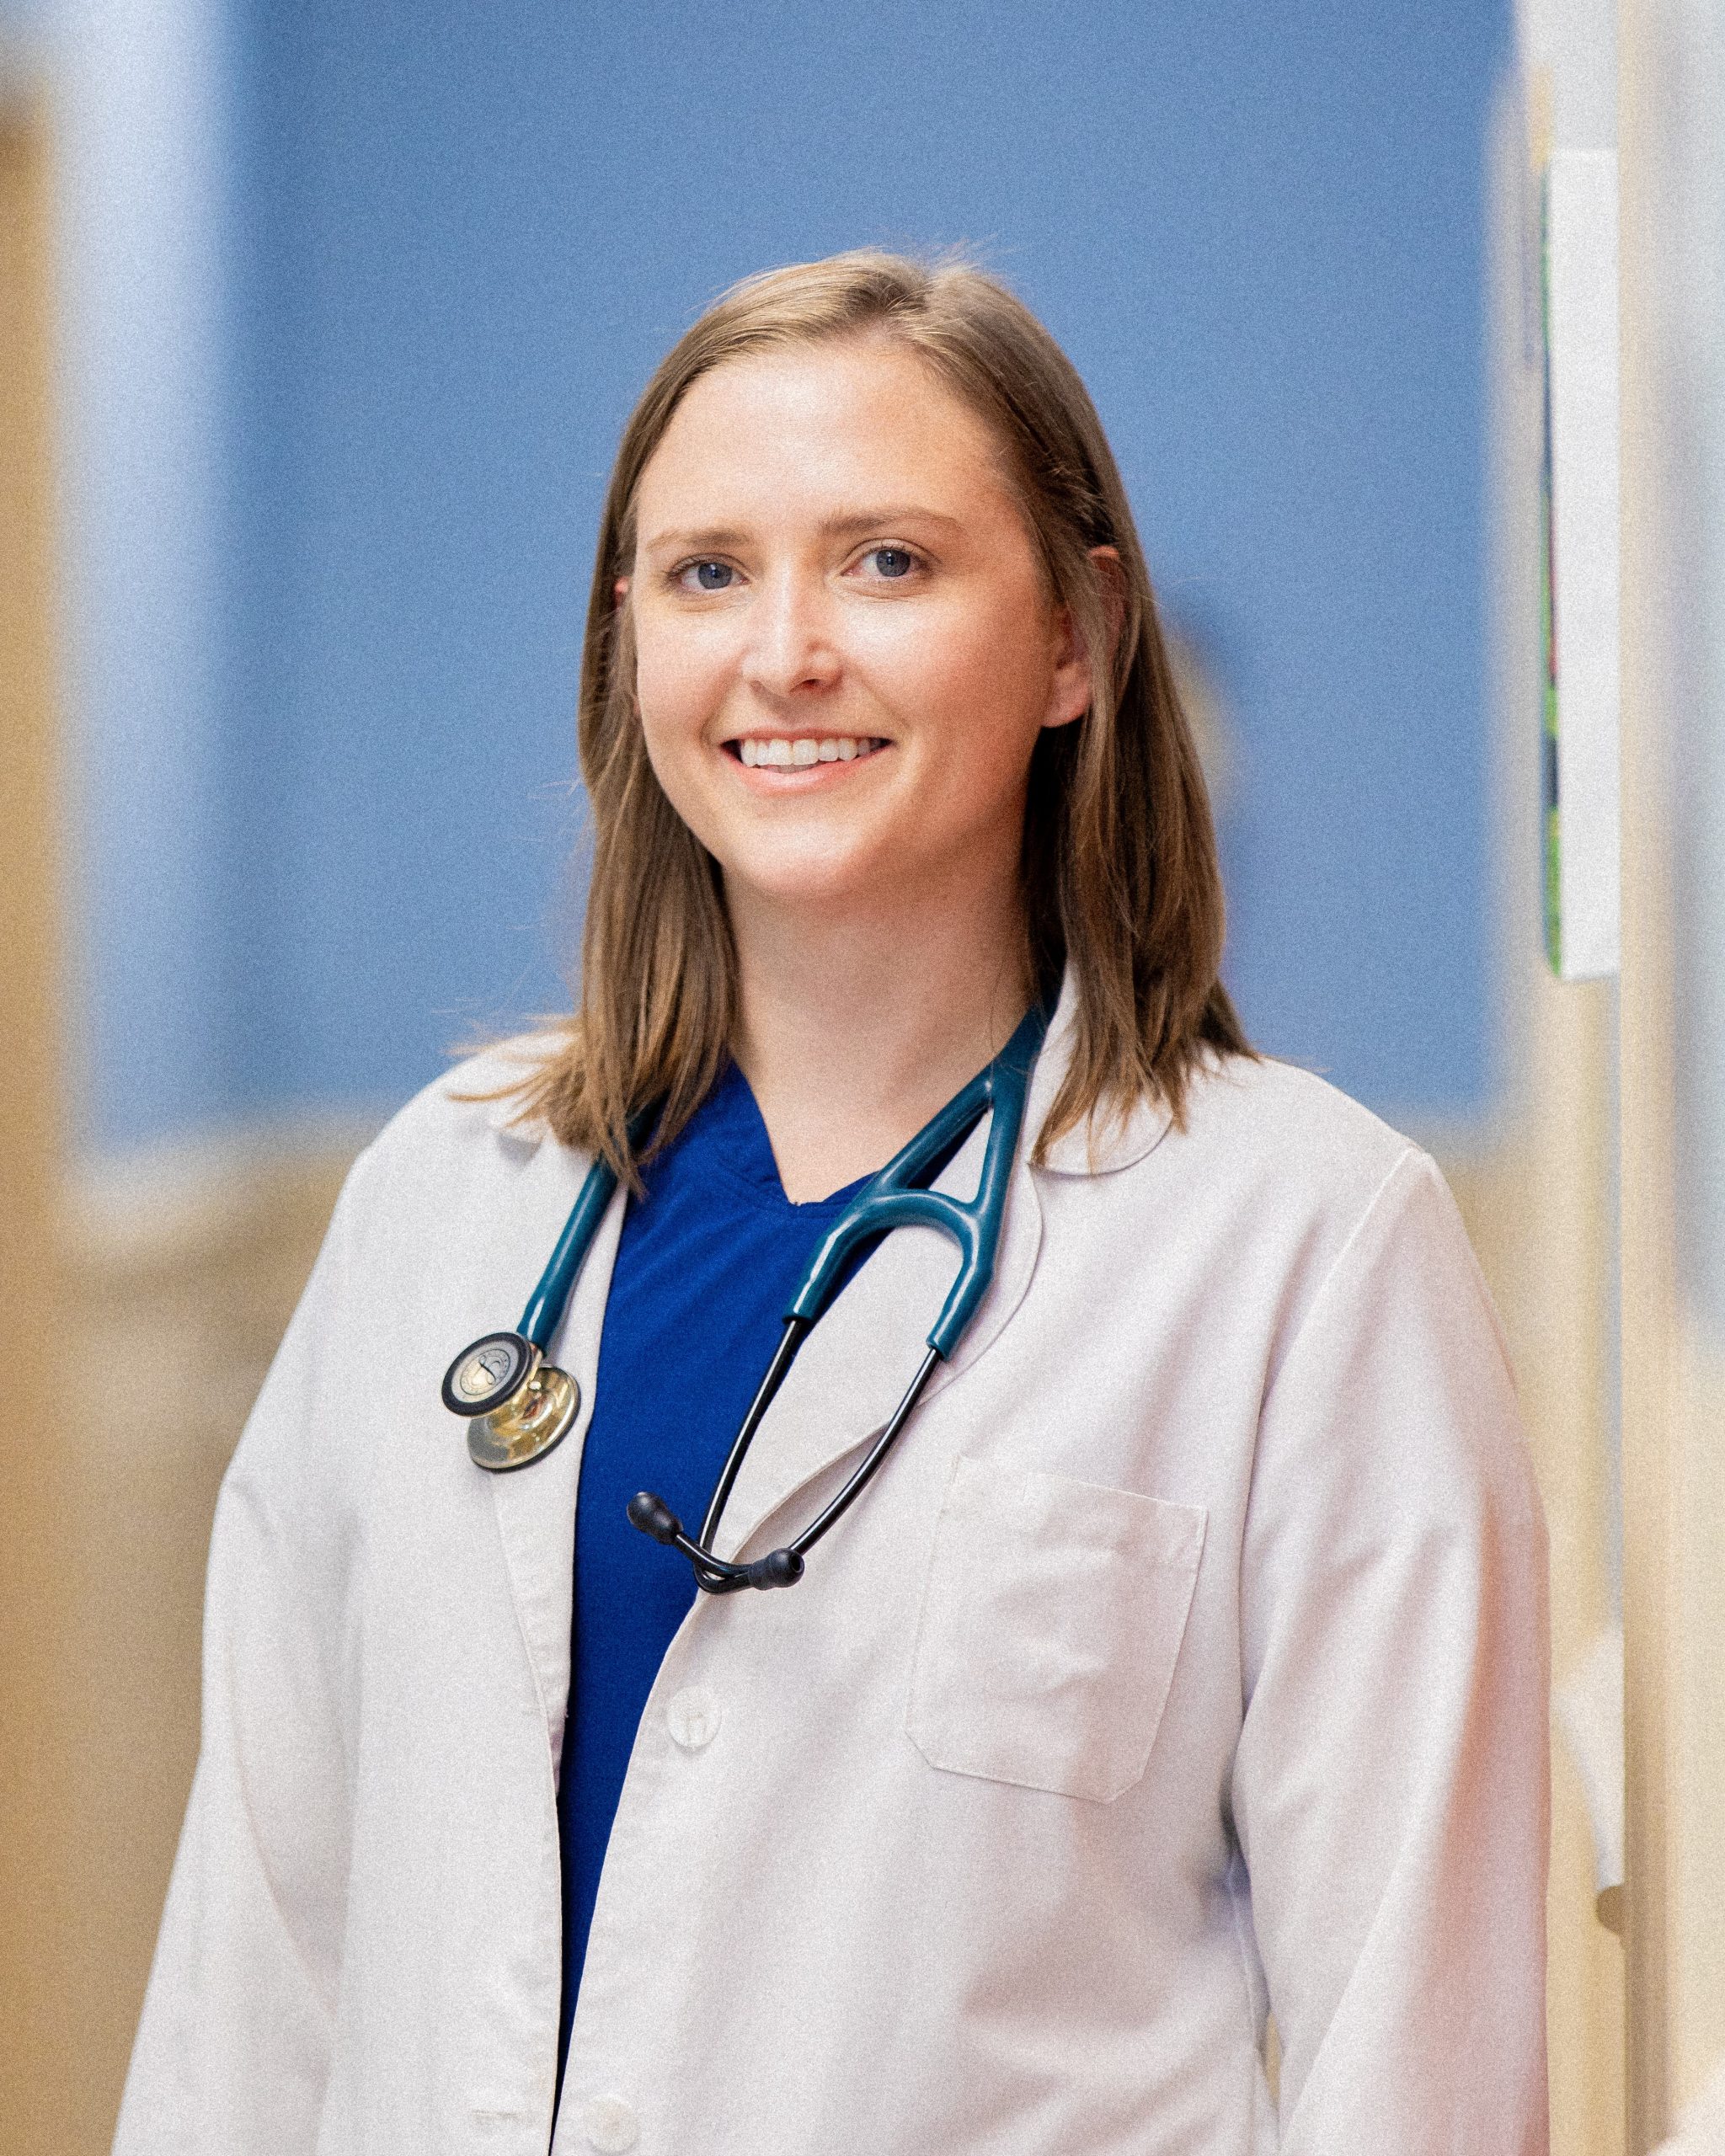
233, 2050
1390, 1787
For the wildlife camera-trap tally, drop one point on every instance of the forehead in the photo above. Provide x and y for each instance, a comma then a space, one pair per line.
838, 424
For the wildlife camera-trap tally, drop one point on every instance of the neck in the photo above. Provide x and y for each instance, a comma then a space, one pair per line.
858, 1023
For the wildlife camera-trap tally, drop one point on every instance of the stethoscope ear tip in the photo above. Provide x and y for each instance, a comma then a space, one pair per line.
778, 1568
654, 1516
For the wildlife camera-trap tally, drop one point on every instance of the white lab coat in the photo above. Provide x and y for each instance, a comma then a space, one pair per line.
1186, 1659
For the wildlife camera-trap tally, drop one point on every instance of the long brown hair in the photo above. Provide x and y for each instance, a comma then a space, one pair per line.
1120, 879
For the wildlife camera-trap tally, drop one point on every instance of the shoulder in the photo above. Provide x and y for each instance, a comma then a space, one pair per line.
482, 1093
1279, 1135
1261, 1141
1264, 1121
1373, 1238
1283, 1194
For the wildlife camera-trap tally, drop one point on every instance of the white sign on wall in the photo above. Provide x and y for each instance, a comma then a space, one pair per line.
1569, 72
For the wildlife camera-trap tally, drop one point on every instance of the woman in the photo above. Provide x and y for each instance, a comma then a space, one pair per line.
1183, 1663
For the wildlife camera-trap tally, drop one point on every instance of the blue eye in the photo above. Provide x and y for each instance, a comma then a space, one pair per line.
713, 576
892, 562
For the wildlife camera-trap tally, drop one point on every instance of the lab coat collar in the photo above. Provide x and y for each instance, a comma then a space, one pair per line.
1106, 1143
507, 1063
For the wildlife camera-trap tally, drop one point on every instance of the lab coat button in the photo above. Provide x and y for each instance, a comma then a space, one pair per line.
611, 2125
693, 1717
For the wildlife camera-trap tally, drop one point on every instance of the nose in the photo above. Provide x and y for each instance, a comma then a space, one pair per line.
792, 647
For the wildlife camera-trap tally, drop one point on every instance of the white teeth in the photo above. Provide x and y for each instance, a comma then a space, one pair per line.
778, 753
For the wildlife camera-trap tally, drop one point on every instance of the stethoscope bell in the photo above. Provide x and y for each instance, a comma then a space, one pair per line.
517, 1405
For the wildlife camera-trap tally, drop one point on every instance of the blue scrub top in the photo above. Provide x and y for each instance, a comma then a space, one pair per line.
707, 1264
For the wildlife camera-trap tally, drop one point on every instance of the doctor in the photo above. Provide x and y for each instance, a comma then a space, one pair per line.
1184, 1662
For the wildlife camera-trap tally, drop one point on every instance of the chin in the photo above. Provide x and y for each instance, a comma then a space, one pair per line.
818, 878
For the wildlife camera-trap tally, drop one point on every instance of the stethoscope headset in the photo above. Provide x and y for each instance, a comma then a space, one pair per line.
518, 1405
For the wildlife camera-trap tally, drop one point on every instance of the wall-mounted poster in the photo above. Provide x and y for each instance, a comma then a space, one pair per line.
1569, 77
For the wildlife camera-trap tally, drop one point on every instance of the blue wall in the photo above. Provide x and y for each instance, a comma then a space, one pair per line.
457, 238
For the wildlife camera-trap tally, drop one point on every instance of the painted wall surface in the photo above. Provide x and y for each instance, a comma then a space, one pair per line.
1694, 295
454, 242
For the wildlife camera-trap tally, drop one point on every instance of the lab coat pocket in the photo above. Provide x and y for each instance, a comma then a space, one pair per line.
1051, 1622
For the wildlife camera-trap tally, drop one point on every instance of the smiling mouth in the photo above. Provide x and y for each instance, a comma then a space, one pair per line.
793, 753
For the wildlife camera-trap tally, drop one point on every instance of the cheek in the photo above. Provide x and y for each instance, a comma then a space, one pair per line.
677, 694
672, 710
984, 678
669, 688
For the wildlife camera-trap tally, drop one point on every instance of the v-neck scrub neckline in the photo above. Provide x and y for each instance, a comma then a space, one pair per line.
732, 1143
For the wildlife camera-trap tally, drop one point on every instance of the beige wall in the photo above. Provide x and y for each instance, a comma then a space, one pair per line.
1535, 1209
1538, 1196
185, 1285
39, 1352
1674, 1390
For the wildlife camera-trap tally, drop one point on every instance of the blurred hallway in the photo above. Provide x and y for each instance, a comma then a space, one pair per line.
317, 333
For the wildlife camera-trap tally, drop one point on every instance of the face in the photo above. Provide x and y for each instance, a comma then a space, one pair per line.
846, 653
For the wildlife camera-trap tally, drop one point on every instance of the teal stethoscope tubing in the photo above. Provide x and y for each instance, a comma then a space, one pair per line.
893, 1198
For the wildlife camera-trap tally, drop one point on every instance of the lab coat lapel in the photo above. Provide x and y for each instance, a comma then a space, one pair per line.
536, 1504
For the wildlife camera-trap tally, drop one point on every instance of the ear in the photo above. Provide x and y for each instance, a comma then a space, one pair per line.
1069, 691
619, 591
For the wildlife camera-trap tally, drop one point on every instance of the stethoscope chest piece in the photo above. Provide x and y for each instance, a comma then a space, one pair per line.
516, 1404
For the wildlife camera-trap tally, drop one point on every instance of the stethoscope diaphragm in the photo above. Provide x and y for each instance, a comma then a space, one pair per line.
491, 1371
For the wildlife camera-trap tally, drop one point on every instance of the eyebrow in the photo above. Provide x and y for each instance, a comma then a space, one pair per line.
719, 537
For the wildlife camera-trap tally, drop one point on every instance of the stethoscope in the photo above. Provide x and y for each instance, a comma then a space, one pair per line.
518, 1405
